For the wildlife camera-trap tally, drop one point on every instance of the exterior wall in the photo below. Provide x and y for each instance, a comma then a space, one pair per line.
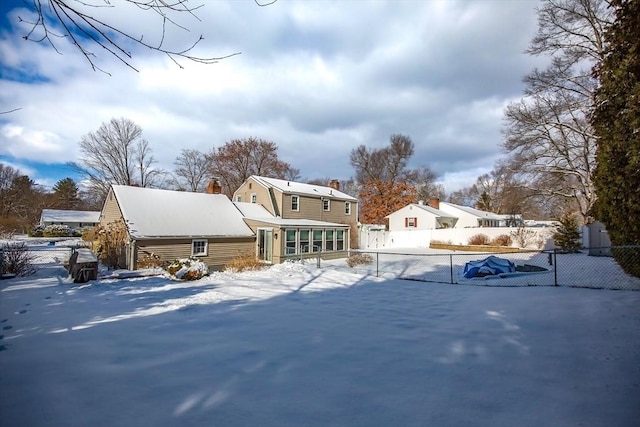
312, 208
220, 250
110, 211
250, 187
71, 225
465, 220
425, 220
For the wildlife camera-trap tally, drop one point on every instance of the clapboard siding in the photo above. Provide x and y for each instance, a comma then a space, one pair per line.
110, 211
220, 250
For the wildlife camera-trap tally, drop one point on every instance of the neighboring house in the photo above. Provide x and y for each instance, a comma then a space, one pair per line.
294, 219
437, 215
175, 224
70, 218
469, 217
418, 216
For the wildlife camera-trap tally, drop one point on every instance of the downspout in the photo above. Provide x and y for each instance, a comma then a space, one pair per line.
133, 254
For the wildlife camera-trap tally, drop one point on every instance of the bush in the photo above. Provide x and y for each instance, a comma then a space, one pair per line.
244, 262
150, 261
478, 239
37, 231
57, 230
524, 237
188, 269
567, 235
501, 240
16, 259
359, 259
627, 258
110, 243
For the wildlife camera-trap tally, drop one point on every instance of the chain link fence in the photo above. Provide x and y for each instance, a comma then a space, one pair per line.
532, 268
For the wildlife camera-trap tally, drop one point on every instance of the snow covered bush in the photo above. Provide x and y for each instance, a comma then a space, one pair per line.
188, 269
57, 230
150, 261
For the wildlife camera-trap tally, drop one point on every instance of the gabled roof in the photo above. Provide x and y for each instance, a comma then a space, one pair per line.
292, 187
256, 212
151, 213
58, 215
436, 212
472, 211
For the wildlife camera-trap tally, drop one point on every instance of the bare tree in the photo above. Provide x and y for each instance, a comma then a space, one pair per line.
547, 134
238, 159
116, 154
385, 164
192, 170
81, 23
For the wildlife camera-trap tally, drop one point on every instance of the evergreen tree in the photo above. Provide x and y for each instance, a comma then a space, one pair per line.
616, 121
567, 235
65, 194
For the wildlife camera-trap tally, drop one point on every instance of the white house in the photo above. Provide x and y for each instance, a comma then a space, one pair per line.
72, 219
469, 217
418, 216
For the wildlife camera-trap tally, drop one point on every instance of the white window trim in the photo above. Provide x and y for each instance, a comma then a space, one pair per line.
254, 198
238, 198
297, 199
347, 208
326, 205
206, 247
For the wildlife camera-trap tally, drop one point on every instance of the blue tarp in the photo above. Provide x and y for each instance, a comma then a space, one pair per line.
491, 265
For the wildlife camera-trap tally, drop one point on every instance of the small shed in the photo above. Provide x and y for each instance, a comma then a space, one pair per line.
599, 242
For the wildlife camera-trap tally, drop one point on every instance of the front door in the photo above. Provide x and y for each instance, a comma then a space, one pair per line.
265, 244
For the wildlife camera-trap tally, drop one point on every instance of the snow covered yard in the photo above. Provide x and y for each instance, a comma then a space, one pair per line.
298, 346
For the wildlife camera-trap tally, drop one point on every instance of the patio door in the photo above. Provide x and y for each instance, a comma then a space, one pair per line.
265, 244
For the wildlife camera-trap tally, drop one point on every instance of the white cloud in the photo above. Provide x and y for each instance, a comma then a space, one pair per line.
317, 78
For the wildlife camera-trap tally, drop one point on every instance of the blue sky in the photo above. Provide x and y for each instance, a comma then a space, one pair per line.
317, 78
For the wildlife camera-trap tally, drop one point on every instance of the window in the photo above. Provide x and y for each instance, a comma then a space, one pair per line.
238, 198
290, 242
347, 208
411, 222
295, 203
317, 241
304, 241
198, 248
326, 205
328, 240
254, 198
340, 240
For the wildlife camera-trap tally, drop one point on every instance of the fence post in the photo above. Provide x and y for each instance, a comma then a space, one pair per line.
319, 258
451, 267
555, 267
377, 257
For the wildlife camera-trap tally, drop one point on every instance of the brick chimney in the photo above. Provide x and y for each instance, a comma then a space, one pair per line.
214, 187
434, 202
335, 184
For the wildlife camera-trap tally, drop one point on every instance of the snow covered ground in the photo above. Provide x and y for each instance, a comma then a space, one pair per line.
294, 345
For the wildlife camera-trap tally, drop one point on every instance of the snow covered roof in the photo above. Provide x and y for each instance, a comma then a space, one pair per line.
472, 211
256, 212
165, 213
292, 187
57, 215
438, 213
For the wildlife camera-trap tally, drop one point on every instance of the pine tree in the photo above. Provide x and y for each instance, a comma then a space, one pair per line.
567, 235
617, 124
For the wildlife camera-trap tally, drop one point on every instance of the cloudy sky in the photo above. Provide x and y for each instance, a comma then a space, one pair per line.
318, 78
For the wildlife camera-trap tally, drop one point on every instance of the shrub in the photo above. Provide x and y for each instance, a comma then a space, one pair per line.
17, 259
110, 244
247, 261
57, 230
627, 257
37, 231
359, 259
567, 235
150, 261
188, 269
524, 237
478, 239
501, 240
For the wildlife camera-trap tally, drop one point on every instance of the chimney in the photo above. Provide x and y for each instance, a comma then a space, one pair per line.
434, 202
214, 187
335, 184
